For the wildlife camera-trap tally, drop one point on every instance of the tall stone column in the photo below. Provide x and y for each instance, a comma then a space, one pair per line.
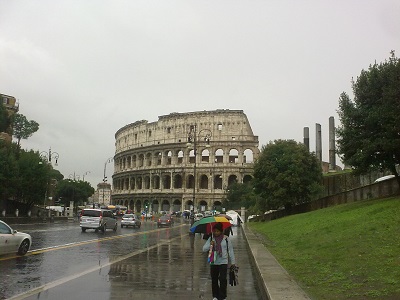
318, 142
306, 137
332, 150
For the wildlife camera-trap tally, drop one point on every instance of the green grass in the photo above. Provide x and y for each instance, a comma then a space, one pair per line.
350, 251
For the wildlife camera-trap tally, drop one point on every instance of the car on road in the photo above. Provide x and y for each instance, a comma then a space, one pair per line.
130, 220
12, 241
98, 219
165, 220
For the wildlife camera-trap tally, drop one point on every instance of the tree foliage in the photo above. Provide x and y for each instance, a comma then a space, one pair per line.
70, 190
22, 128
8, 171
369, 135
286, 174
242, 195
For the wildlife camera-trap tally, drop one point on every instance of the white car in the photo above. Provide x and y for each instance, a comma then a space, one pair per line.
98, 219
12, 241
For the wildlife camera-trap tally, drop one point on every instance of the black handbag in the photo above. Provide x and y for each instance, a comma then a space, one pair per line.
233, 276
233, 271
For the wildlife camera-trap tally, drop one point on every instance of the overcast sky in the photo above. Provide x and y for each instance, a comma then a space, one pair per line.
84, 69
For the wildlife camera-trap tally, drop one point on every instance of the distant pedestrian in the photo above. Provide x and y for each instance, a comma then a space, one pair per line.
220, 255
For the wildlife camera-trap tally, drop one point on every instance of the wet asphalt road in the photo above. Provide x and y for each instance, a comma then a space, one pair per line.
145, 263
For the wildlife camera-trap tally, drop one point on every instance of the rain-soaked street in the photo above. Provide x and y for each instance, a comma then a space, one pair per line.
145, 263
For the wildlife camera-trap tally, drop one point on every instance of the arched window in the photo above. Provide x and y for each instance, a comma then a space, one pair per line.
248, 156
204, 182
219, 156
233, 156
205, 155
167, 181
178, 181
180, 157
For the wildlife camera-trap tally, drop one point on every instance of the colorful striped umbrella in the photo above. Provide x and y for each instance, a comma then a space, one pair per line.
206, 224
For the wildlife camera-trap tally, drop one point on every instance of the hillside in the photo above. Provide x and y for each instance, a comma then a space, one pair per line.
350, 251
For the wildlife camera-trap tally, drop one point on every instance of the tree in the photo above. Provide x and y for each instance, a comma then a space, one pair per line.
286, 174
34, 176
70, 190
8, 171
369, 136
22, 128
242, 195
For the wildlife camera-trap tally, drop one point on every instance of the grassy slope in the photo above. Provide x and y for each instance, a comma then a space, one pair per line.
351, 251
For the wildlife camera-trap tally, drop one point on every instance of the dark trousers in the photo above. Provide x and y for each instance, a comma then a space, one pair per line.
219, 281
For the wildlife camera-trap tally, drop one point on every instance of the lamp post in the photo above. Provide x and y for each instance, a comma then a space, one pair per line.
193, 137
49, 155
104, 174
73, 177
83, 176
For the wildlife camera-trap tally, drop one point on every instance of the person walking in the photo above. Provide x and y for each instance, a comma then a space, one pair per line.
220, 255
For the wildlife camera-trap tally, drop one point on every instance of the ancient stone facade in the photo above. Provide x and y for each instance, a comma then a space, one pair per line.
12, 107
183, 161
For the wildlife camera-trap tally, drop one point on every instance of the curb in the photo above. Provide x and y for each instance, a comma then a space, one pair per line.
274, 281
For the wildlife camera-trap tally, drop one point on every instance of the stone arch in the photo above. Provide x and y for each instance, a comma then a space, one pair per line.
247, 178
134, 158
219, 156
192, 157
168, 155
141, 160
133, 183
178, 181
138, 206
155, 206
156, 182
248, 156
232, 179
147, 182
205, 156
148, 159
190, 182
167, 181
218, 182
131, 205
203, 182
180, 155
233, 156
203, 206
165, 205
176, 205
158, 158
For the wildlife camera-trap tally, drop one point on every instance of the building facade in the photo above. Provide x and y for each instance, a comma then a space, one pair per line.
12, 107
102, 195
183, 161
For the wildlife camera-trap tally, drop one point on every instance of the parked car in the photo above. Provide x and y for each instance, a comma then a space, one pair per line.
98, 219
12, 241
165, 220
130, 220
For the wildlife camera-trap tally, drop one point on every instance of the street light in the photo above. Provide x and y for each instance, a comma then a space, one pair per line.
73, 177
193, 137
104, 174
83, 176
49, 155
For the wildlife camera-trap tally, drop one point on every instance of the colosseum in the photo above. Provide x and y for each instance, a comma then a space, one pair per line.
184, 161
